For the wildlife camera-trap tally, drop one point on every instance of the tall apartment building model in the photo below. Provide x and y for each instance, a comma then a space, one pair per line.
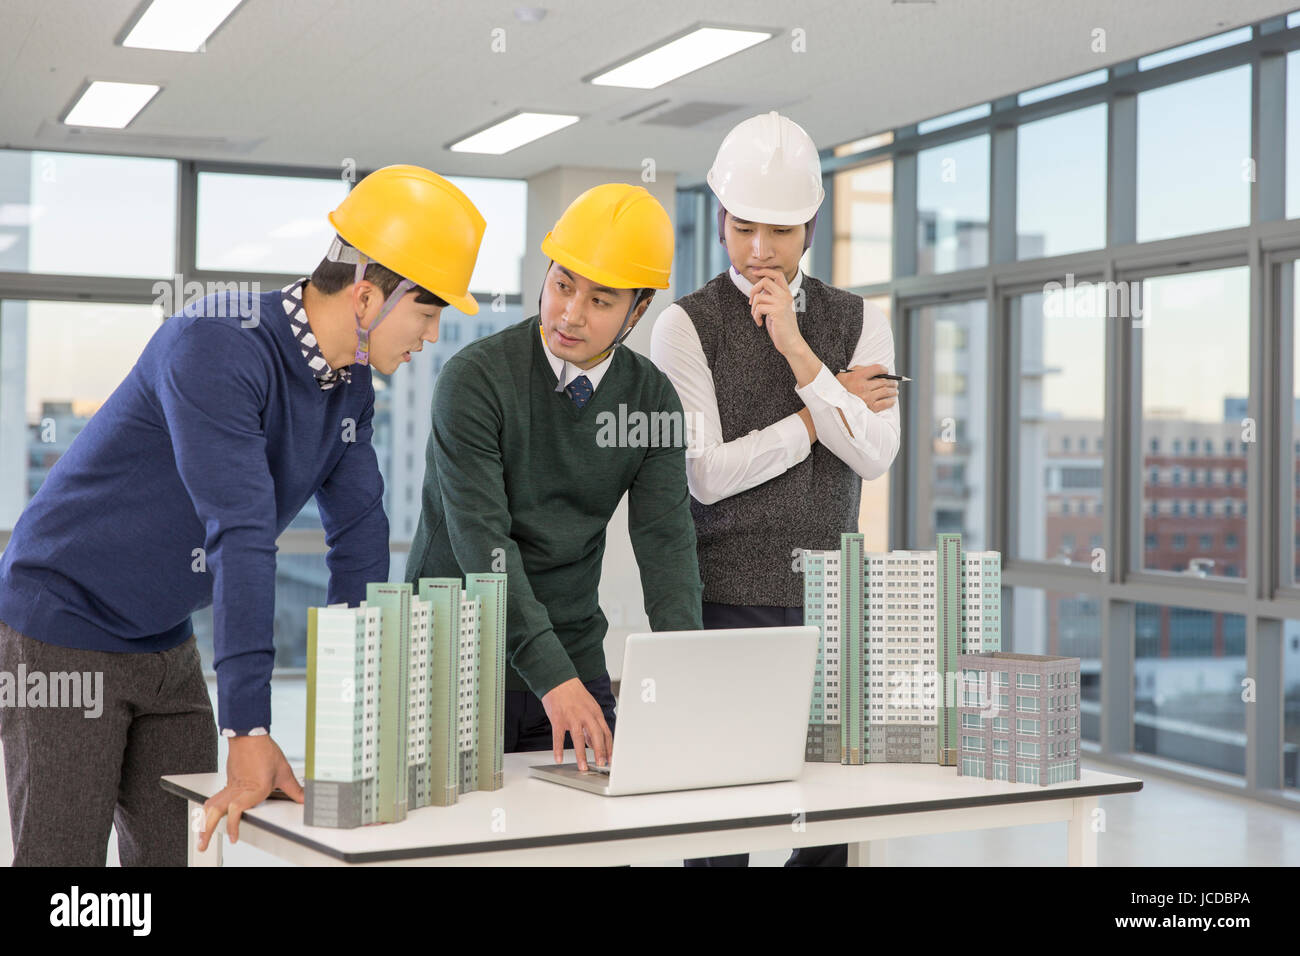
892, 628
405, 699
905, 638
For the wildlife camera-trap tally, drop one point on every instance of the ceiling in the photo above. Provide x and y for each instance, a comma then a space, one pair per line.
320, 82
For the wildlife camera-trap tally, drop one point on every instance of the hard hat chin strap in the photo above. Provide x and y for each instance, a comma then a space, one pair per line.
339, 252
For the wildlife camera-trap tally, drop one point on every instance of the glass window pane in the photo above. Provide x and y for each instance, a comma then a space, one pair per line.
1061, 183
265, 223
950, 356
864, 225
1188, 669
1293, 307
61, 360
504, 204
952, 203
1194, 424
1062, 336
74, 214
873, 512
1066, 624
1293, 134
1291, 703
1194, 169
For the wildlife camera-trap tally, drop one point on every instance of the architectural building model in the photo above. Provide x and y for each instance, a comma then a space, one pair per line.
405, 699
892, 628
1038, 740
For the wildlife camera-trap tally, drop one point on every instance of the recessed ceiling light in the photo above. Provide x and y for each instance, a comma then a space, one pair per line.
179, 25
110, 105
513, 132
685, 54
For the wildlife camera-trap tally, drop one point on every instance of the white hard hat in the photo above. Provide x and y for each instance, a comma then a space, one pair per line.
767, 171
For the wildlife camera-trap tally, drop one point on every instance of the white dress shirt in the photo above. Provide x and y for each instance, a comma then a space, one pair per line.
566, 371
716, 469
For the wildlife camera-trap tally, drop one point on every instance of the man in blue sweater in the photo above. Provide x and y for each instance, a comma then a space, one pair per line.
239, 410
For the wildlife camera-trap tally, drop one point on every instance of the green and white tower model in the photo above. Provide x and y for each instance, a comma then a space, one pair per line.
892, 627
405, 699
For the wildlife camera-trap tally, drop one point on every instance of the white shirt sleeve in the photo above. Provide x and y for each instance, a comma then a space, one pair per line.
716, 469
870, 442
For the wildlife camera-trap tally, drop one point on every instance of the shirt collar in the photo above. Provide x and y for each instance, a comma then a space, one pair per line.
326, 377
566, 372
745, 286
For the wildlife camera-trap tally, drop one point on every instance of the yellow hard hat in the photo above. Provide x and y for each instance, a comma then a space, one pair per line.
417, 224
615, 235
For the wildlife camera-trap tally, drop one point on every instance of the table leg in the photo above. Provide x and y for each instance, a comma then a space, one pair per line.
1082, 838
212, 855
867, 853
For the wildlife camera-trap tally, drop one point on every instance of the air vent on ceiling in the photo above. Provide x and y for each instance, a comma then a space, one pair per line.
691, 114
85, 137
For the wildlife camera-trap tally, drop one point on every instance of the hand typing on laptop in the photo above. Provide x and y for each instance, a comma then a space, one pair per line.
570, 707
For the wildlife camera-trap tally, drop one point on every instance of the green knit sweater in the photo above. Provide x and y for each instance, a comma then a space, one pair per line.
519, 479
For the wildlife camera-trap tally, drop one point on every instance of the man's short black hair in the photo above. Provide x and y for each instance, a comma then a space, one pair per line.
330, 277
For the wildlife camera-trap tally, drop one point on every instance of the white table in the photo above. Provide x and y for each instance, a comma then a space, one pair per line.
533, 822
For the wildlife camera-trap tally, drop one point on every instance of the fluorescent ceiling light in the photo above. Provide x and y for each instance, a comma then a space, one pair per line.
513, 132
953, 119
678, 57
111, 105
1195, 48
1080, 82
180, 25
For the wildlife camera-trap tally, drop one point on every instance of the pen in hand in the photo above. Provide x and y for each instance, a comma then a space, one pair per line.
892, 378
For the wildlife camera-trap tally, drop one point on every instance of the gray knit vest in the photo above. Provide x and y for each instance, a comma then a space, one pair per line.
746, 542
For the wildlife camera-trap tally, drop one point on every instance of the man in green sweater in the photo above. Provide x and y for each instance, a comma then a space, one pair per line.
526, 464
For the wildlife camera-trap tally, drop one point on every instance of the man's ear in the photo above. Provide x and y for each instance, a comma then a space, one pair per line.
643, 305
361, 294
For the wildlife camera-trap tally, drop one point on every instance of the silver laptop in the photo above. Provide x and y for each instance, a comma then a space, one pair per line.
705, 709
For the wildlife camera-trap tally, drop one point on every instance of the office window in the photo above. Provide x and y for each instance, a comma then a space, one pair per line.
264, 223
1291, 703
1293, 134
952, 206
504, 204
1061, 624
1194, 140
1061, 183
1289, 313
862, 250
78, 214
1185, 387
1188, 670
1060, 336
949, 443
67, 358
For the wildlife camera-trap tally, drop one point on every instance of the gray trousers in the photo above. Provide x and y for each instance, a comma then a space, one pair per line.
72, 775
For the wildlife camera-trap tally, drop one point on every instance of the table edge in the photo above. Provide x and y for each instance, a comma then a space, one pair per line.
1130, 785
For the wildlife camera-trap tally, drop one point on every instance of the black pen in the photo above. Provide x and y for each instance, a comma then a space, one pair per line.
892, 378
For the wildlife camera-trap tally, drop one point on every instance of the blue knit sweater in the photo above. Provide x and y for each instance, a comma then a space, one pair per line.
215, 440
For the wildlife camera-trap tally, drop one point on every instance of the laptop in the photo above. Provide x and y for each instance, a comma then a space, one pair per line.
705, 709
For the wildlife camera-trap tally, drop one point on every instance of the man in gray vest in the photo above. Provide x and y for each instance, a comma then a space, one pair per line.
775, 370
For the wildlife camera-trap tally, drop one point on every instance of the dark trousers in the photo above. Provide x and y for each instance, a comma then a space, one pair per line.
74, 772
716, 617
527, 726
